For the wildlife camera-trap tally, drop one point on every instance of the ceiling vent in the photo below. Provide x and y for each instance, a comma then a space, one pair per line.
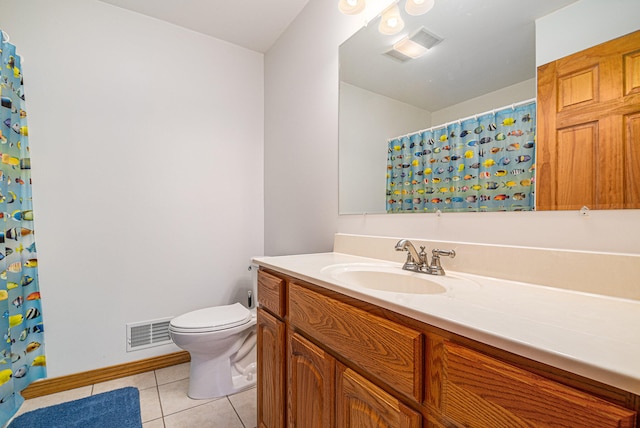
425, 38
147, 334
414, 46
397, 55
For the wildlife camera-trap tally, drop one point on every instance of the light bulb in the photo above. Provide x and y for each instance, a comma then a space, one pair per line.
418, 7
351, 7
391, 22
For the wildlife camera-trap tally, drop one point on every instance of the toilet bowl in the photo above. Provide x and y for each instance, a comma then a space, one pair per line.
222, 343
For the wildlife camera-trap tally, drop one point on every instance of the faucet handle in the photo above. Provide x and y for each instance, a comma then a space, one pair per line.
436, 253
435, 268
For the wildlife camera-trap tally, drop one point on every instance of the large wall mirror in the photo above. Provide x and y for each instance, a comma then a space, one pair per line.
485, 60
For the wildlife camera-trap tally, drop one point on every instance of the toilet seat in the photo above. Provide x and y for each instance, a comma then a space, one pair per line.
207, 320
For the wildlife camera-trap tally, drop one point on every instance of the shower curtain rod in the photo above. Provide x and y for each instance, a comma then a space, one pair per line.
473, 116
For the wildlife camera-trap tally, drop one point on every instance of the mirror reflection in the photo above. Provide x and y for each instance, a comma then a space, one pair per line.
482, 58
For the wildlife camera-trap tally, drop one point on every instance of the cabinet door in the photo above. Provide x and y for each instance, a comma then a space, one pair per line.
362, 404
311, 384
271, 371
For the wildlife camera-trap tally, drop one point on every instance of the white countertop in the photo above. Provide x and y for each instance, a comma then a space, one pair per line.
594, 336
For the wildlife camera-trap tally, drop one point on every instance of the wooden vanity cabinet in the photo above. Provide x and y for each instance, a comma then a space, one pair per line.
334, 361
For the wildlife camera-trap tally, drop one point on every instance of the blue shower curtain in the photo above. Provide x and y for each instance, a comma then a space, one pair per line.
22, 358
483, 163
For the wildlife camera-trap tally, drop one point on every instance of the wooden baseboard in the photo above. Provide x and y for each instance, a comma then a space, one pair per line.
77, 380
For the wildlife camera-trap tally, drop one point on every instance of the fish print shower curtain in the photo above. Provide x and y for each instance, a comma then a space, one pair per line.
22, 358
483, 163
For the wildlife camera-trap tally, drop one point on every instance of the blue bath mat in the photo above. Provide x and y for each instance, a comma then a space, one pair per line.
113, 409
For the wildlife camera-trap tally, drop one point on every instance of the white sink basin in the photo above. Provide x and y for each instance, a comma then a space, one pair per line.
391, 278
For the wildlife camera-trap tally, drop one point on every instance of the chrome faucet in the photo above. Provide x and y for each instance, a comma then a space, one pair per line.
415, 262
418, 262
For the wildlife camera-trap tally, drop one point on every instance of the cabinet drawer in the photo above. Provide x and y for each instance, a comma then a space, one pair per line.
387, 350
480, 391
271, 293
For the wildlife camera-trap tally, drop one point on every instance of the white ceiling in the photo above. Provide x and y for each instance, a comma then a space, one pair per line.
487, 45
253, 24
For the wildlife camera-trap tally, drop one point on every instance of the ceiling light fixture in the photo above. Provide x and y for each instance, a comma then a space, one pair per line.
418, 7
351, 7
410, 48
391, 22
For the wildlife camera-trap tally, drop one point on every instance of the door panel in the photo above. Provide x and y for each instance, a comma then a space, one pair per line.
588, 140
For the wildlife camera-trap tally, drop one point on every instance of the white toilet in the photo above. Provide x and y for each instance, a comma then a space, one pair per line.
222, 343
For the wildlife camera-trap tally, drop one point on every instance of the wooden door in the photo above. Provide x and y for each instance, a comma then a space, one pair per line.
271, 371
589, 128
311, 385
360, 403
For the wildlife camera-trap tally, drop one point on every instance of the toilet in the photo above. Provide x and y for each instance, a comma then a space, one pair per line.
222, 342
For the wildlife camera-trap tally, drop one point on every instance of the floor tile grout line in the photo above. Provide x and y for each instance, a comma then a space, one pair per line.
236, 411
155, 376
193, 407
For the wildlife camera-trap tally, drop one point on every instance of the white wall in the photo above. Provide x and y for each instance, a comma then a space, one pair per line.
584, 24
301, 87
493, 100
368, 120
147, 153
301, 131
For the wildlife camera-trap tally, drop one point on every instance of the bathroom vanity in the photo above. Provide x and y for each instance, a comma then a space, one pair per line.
335, 353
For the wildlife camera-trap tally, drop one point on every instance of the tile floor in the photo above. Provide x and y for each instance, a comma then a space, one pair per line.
164, 402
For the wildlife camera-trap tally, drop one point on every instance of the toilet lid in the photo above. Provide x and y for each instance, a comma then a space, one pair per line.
213, 319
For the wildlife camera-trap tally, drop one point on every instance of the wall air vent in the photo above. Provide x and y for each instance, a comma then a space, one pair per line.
147, 334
